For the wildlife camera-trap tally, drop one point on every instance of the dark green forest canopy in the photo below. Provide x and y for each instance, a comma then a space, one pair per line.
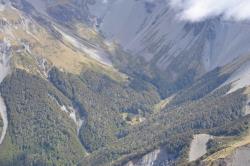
40, 132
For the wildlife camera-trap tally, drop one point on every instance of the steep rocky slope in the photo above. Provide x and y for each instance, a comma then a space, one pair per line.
152, 30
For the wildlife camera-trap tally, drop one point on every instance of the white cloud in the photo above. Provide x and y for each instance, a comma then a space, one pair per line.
198, 10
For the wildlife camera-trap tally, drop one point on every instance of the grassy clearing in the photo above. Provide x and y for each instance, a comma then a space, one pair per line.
162, 104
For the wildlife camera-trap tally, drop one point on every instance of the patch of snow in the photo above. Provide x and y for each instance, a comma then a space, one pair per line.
198, 146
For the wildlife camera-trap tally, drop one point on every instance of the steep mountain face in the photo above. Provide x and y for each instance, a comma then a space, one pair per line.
151, 29
120, 82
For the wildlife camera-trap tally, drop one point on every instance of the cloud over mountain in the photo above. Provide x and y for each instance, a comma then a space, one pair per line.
198, 10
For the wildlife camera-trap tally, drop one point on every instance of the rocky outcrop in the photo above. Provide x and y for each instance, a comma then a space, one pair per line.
158, 157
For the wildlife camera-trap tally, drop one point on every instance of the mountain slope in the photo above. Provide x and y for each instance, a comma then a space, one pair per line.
118, 83
152, 30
